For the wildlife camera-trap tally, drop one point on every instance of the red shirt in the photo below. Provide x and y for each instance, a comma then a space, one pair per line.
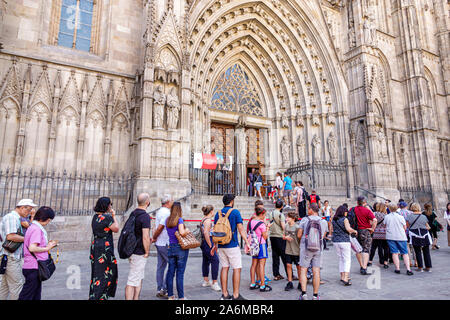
364, 216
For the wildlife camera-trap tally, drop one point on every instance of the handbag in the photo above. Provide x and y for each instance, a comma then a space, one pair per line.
355, 245
12, 246
188, 241
46, 268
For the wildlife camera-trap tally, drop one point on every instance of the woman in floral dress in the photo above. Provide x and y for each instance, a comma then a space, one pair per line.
103, 262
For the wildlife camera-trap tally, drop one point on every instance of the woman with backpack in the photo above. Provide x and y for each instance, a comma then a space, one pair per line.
206, 246
177, 256
433, 223
258, 249
419, 237
379, 237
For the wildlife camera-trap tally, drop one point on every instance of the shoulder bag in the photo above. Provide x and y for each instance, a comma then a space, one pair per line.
46, 268
188, 241
12, 246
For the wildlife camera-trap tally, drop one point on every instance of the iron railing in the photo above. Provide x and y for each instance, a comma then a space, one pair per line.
320, 174
212, 182
66, 193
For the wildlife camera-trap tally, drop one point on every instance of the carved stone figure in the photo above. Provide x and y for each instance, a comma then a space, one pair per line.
380, 139
301, 152
331, 119
285, 146
369, 26
300, 121
284, 120
159, 100
242, 144
316, 147
332, 148
315, 119
173, 109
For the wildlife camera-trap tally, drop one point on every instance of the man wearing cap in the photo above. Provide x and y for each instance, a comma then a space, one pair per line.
11, 281
230, 254
404, 212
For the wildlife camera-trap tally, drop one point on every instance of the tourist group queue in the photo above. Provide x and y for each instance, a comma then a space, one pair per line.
297, 238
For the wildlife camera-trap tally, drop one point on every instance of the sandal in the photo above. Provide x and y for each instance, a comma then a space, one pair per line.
279, 277
266, 288
346, 283
255, 287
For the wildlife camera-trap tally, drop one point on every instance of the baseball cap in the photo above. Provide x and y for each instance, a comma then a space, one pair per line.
26, 202
228, 198
402, 204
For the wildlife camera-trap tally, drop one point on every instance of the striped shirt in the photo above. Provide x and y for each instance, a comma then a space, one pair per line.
10, 224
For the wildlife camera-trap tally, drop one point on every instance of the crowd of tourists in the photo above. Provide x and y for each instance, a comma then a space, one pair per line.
297, 230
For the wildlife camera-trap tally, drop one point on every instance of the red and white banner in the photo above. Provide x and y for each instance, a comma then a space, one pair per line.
205, 161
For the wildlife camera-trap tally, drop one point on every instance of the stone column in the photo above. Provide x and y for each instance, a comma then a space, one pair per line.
82, 131
109, 111
23, 118
54, 122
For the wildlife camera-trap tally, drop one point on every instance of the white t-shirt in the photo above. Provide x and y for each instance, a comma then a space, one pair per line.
395, 227
161, 216
279, 182
326, 212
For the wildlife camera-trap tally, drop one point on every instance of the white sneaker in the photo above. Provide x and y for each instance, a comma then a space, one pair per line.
206, 283
215, 286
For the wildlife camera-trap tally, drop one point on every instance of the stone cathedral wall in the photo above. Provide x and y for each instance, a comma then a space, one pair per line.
343, 80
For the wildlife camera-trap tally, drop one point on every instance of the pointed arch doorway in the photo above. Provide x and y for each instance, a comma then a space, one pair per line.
236, 94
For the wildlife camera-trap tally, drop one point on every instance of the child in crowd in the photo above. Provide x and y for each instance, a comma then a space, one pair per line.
271, 192
260, 226
292, 248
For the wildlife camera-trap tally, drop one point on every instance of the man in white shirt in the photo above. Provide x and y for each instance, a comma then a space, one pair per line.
161, 240
396, 238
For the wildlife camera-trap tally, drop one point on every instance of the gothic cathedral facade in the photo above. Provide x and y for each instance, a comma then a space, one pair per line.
139, 86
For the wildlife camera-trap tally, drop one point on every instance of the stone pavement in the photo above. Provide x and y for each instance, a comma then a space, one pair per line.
421, 286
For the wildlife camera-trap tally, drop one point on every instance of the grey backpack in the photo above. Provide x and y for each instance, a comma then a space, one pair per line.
313, 235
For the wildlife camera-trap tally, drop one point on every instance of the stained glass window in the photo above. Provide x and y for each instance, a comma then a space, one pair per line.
234, 91
76, 24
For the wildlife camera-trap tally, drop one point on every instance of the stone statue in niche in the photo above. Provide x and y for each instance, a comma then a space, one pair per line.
369, 25
284, 120
315, 118
316, 147
332, 148
159, 100
285, 146
380, 139
300, 121
331, 118
173, 109
301, 152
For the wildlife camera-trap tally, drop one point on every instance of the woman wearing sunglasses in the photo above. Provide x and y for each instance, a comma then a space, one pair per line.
103, 262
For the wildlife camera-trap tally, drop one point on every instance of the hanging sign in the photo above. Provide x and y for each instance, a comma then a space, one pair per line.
209, 161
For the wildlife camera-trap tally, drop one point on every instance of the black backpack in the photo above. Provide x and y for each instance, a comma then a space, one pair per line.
352, 219
127, 240
305, 194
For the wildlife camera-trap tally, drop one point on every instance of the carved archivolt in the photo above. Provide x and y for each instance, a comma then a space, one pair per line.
209, 38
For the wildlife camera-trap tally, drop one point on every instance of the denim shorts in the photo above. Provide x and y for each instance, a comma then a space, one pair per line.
398, 246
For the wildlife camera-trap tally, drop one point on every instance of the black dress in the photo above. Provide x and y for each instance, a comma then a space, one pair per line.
103, 262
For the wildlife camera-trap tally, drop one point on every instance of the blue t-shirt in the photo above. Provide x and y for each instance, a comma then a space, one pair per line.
235, 218
288, 181
171, 232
